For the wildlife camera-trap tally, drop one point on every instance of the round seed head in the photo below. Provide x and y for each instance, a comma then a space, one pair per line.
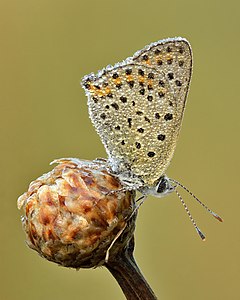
72, 214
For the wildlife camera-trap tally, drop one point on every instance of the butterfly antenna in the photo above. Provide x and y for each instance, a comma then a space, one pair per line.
200, 202
202, 236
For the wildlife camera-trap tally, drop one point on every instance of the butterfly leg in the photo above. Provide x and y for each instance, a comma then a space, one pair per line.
99, 159
141, 201
124, 189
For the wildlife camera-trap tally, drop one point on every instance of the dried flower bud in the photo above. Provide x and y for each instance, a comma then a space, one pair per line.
72, 214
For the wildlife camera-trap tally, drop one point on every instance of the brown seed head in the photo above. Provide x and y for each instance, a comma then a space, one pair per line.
71, 214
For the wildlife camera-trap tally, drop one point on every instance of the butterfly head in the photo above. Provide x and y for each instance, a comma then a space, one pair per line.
162, 188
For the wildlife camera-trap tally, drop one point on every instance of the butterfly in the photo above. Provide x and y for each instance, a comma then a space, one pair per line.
137, 108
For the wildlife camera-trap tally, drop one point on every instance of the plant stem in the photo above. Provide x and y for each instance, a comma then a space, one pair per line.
124, 269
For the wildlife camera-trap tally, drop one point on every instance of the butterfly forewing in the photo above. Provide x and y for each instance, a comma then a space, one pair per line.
137, 107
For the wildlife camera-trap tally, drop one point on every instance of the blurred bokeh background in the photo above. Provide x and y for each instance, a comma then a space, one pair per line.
46, 47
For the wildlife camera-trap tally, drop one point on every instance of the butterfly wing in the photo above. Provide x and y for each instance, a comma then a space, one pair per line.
137, 107
174, 58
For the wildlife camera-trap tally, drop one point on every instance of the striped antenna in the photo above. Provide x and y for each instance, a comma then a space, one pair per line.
200, 202
202, 236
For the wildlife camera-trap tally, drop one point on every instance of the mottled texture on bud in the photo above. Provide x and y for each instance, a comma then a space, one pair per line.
71, 218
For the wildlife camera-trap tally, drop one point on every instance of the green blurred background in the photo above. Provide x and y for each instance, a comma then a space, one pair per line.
46, 47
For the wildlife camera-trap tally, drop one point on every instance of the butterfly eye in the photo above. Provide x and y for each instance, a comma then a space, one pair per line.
162, 186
